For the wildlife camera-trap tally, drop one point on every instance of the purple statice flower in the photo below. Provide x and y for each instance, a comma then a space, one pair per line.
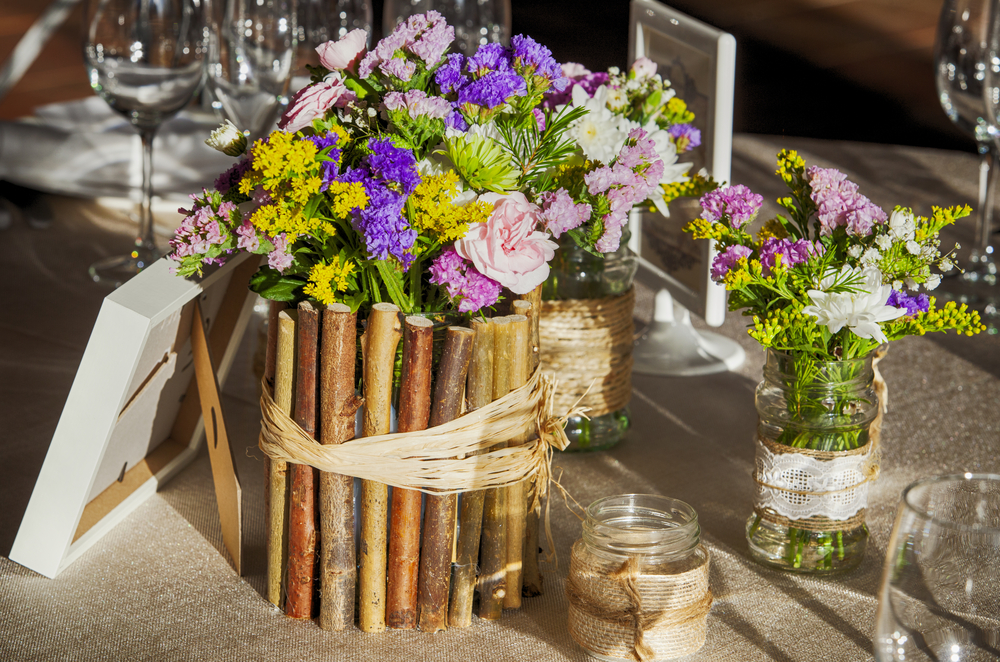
791, 252
839, 204
576, 75
232, 177
686, 137
560, 213
280, 258
533, 59
450, 76
725, 260
737, 202
392, 165
201, 228
426, 36
456, 121
539, 119
913, 305
328, 169
417, 103
463, 282
493, 89
488, 58
247, 234
399, 67
435, 36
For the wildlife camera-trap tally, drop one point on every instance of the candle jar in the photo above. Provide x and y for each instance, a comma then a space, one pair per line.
638, 580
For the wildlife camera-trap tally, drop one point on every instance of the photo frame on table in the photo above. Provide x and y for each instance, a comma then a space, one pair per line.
133, 417
700, 63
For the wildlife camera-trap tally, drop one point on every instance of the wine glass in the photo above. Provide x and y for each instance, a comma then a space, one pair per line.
939, 598
145, 58
251, 52
961, 54
321, 21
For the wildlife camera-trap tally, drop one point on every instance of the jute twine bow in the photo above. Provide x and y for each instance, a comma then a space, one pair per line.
442, 459
686, 605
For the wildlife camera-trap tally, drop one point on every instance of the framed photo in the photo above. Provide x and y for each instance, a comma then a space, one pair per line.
700, 63
132, 419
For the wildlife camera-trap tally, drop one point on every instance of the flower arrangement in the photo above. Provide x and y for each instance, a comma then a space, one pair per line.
415, 176
825, 286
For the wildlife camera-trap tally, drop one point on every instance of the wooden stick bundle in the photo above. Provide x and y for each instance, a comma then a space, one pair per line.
276, 494
404, 534
520, 362
379, 342
478, 393
302, 504
440, 516
338, 405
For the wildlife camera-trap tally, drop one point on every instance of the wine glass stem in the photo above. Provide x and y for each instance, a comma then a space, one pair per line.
145, 240
989, 165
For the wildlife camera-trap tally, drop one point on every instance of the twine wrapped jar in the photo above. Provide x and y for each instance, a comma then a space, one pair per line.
638, 580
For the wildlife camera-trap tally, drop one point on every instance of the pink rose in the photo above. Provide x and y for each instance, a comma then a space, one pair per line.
643, 68
312, 102
507, 248
345, 53
574, 70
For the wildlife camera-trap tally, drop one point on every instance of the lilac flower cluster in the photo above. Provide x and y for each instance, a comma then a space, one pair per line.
389, 174
486, 79
280, 258
559, 212
840, 205
232, 177
329, 169
576, 75
738, 202
426, 36
201, 229
791, 252
913, 305
463, 282
535, 61
418, 104
725, 261
686, 137
634, 175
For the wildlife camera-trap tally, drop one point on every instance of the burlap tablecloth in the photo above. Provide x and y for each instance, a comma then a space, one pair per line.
159, 588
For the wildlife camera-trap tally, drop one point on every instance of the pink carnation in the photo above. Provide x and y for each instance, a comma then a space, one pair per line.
344, 53
312, 102
507, 248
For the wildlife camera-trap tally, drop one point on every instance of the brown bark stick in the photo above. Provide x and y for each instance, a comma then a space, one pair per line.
440, 516
302, 505
531, 574
493, 547
338, 404
404, 533
381, 338
478, 393
276, 495
520, 365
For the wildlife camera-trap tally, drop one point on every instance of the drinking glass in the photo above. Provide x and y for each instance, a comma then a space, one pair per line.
940, 598
961, 55
250, 57
321, 21
476, 23
145, 58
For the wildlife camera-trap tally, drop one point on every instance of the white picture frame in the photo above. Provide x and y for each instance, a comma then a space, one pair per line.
130, 422
700, 62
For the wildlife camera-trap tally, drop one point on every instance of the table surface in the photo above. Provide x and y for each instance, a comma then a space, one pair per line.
159, 586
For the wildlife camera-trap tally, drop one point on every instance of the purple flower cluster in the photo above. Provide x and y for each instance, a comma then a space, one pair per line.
725, 261
533, 59
201, 229
737, 202
559, 212
280, 258
914, 305
686, 137
577, 75
634, 175
426, 36
329, 169
247, 235
840, 204
791, 252
232, 177
463, 282
389, 174
418, 104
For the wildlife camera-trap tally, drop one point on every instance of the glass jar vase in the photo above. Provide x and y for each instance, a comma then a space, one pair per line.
814, 461
578, 276
638, 580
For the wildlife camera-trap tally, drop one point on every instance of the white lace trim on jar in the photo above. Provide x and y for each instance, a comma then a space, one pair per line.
798, 486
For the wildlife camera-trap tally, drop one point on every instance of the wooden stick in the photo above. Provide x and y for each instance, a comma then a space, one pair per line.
380, 340
440, 515
276, 495
531, 573
493, 548
338, 404
520, 365
302, 508
478, 393
404, 533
